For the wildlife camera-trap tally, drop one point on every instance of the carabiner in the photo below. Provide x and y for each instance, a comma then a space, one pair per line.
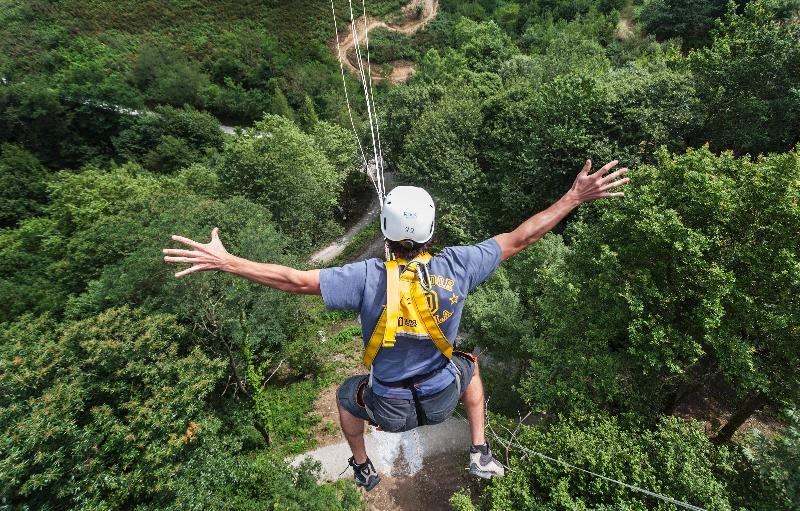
424, 277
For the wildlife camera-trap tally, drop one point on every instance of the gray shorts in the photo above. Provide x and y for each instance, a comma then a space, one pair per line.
396, 415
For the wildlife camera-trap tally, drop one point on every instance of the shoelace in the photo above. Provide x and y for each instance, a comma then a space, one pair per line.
352, 463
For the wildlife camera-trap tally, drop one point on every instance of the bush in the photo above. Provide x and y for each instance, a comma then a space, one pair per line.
674, 459
22, 185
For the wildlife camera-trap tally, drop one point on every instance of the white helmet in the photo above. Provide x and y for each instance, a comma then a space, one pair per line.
408, 213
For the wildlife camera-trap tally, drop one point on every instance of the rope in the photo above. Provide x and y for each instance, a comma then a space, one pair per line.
367, 96
507, 444
377, 125
347, 100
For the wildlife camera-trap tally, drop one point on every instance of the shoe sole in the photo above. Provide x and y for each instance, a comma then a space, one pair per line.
368, 487
483, 474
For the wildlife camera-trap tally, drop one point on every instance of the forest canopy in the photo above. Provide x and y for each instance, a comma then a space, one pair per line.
653, 339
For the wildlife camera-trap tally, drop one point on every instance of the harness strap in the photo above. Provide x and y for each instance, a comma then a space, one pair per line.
398, 287
375, 341
421, 418
431, 325
392, 302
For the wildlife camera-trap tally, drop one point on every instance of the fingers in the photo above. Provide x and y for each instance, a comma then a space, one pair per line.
187, 271
614, 175
613, 194
179, 252
187, 241
605, 168
586, 167
189, 260
215, 233
615, 184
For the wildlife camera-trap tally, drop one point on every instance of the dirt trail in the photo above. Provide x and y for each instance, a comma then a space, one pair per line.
332, 251
401, 70
624, 29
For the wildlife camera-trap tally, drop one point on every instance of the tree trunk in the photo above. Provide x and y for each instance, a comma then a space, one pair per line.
261, 429
752, 403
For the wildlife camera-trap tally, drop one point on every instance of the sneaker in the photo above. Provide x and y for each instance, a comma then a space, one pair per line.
482, 463
365, 474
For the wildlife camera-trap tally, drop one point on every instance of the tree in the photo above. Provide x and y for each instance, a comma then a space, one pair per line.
485, 45
691, 20
22, 185
115, 411
687, 281
441, 150
167, 75
307, 114
282, 168
115, 438
674, 459
169, 138
777, 464
742, 114
280, 105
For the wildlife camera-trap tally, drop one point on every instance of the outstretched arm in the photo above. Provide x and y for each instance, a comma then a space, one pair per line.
586, 187
213, 256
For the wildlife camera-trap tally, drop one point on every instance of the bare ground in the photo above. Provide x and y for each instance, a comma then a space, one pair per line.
327, 432
401, 70
429, 489
714, 412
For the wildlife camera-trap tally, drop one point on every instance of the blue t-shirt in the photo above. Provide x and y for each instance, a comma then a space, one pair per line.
361, 287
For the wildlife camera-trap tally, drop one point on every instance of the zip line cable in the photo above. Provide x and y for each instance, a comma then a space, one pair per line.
366, 82
347, 98
508, 444
367, 95
377, 125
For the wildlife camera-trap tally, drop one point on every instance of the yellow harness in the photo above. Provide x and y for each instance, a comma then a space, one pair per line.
407, 309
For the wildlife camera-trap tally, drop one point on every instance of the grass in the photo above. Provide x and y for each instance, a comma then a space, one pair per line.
387, 46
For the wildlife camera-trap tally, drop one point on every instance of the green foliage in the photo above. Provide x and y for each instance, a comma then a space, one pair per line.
743, 114
484, 45
218, 479
113, 412
284, 169
674, 459
169, 138
167, 76
689, 277
777, 465
61, 132
307, 116
22, 185
691, 20
280, 105
386, 46
99, 413
440, 150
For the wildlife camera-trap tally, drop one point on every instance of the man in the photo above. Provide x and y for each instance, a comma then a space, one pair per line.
410, 311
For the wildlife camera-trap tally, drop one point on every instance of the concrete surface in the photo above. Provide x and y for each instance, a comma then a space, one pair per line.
394, 454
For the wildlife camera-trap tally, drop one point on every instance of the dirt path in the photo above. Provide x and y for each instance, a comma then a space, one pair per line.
624, 28
401, 70
332, 251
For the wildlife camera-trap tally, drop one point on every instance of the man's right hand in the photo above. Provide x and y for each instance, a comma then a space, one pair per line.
213, 256
208, 256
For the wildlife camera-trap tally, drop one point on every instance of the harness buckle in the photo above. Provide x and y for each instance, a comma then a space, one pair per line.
424, 278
